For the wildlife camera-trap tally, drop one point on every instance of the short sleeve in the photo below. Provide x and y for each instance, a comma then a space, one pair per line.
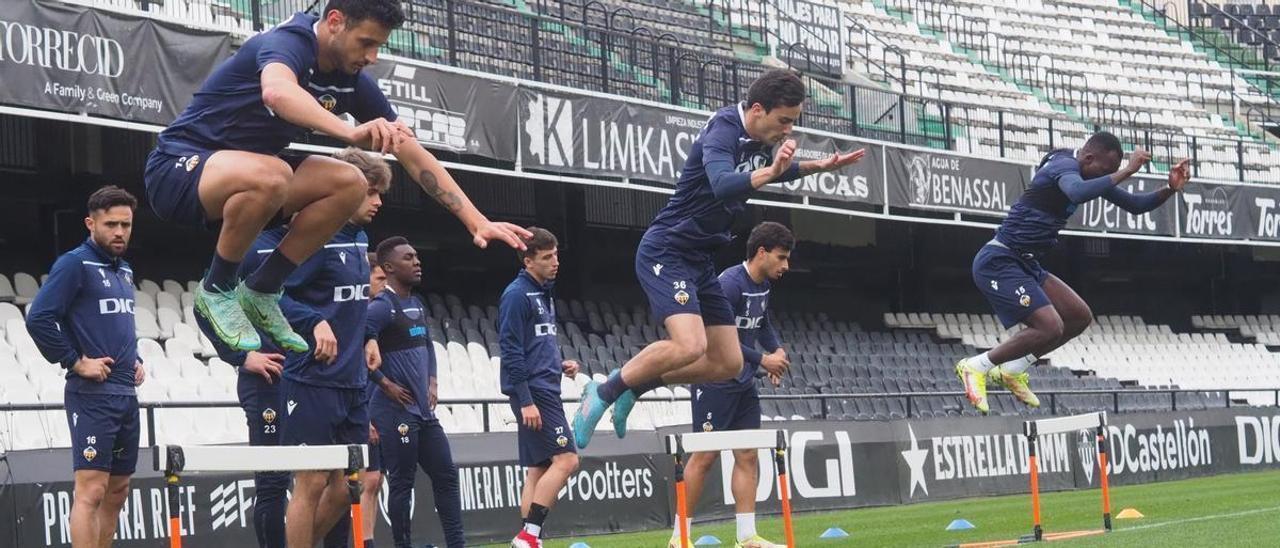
293, 49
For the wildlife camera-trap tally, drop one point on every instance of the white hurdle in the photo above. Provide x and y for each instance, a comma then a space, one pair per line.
1089, 421
678, 445
174, 460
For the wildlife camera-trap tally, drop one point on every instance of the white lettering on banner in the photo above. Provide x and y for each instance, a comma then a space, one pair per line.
64, 50
1104, 215
939, 181
1203, 220
838, 472
411, 100
1182, 446
832, 184
1258, 439
115, 305
960, 457
132, 522
490, 487
604, 144
228, 502
1268, 218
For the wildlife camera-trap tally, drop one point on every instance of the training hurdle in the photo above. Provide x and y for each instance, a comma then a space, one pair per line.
678, 445
1088, 421
174, 460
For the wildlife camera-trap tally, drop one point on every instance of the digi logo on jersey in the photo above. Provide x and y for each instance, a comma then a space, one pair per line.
115, 305
347, 293
544, 330
745, 322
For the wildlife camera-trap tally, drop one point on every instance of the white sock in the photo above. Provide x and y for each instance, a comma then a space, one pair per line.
981, 363
533, 529
1019, 365
675, 527
746, 526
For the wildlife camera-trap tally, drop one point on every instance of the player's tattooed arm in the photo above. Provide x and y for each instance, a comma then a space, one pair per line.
429, 183
431, 175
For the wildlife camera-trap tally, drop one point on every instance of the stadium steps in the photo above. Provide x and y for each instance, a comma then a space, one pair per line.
1226, 52
976, 58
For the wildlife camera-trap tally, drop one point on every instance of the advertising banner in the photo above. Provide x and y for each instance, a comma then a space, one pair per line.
80, 60
451, 111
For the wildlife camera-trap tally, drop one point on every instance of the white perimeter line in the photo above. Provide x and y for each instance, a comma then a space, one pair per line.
1201, 518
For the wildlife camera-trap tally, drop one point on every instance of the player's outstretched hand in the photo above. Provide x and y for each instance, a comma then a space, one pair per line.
530, 417
396, 392
380, 135
1179, 175
373, 435
838, 160
268, 366
570, 368
783, 157
95, 369
512, 235
372, 356
1137, 159
326, 343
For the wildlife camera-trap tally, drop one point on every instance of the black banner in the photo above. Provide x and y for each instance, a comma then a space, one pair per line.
626, 485
862, 182
939, 181
1102, 216
1209, 210
591, 135
451, 111
80, 60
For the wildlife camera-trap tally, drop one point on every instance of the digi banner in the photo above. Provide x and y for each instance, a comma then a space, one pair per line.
450, 111
79, 60
940, 181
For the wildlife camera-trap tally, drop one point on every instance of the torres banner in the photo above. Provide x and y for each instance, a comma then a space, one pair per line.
1230, 212
451, 111
939, 181
1102, 216
75, 59
589, 135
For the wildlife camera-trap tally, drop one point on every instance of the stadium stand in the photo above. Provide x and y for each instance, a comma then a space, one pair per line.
916, 354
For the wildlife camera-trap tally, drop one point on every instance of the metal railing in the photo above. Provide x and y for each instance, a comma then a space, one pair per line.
613, 52
910, 401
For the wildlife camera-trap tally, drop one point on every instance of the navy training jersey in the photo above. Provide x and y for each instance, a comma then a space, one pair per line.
531, 357
86, 308
332, 285
408, 359
227, 113
750, 303
714, 185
